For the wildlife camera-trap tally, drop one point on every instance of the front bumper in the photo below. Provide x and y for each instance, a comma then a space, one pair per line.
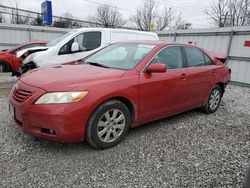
60, 122
27, 67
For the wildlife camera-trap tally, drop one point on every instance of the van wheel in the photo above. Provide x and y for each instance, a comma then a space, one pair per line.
4, 67
108, 125
213, 101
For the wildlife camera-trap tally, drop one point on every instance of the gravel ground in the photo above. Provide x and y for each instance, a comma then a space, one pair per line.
6, 77
187, 150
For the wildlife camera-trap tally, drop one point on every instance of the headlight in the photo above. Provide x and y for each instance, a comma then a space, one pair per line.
61, 97
29, 58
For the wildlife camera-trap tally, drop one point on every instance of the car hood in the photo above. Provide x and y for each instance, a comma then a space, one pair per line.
68, 77
31, 50
4, 53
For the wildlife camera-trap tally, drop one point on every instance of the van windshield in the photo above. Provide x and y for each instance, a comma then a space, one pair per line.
60, 38
120, 56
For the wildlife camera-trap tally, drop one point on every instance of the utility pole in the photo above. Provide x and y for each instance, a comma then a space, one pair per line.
17, 14
170, 20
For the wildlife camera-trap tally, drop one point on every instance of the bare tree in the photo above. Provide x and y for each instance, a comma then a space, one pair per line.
230, 12
37, 21
150, 13
16, 18
1, 18
163, 19
67, 21
108, 17
239, 13
181, 24
145, 15
20, 19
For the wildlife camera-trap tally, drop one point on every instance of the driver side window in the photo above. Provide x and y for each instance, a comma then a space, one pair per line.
66, 49
87, 41
170, 56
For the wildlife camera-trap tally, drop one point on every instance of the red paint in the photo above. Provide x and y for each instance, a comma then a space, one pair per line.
156, 68
10, 55
153, 95
247, 43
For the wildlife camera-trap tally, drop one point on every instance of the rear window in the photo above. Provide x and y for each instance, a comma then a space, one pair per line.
208, 60
195, 57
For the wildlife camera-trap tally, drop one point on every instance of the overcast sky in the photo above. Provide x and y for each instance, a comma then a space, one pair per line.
192, 10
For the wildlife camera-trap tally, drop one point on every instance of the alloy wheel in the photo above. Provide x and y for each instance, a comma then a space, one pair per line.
111, 125
214, 99
1, 68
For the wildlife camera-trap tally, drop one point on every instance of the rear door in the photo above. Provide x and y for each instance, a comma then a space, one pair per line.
201, 71
163, 94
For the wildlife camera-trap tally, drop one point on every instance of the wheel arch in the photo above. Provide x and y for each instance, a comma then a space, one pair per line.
128, 103
222, 86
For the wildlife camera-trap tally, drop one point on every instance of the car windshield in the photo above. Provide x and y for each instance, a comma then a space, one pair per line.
59, 38
120, 56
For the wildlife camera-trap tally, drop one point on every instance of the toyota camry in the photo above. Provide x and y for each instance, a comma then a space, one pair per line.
119, 87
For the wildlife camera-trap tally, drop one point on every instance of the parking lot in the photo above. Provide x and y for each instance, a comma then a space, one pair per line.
188, 150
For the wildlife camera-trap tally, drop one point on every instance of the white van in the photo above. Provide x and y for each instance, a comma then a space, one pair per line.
77, 44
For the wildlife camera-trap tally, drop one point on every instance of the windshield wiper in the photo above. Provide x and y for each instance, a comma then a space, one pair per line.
97, 64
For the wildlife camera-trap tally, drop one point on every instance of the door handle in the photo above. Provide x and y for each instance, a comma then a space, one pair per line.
183, 76
213, 71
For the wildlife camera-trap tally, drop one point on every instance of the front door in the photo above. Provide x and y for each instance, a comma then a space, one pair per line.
163, 94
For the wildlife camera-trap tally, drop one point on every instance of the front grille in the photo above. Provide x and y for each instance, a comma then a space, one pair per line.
22, 95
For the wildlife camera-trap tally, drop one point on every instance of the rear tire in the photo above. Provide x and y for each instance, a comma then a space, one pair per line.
108, 125
213, 101
5, 67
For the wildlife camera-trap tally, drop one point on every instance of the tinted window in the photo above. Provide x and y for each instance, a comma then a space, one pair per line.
92, 40
208, 60
87, 41
195, 57
171, 57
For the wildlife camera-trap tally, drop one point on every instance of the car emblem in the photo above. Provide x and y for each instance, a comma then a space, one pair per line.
15, 87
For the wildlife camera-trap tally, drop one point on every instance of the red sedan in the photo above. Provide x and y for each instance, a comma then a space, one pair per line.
8, 60
121, 86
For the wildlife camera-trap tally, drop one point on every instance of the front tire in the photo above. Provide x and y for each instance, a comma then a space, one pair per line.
213, 101
108, 125
5, 67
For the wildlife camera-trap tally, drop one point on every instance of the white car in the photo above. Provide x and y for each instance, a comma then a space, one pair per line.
77, 44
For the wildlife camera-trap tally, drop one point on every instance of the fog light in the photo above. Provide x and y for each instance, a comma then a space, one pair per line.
48, 131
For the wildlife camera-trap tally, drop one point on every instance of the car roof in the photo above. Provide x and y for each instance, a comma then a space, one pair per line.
112, 29
155, 42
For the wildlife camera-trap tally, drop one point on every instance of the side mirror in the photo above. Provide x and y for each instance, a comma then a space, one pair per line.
75, 47
156, 68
